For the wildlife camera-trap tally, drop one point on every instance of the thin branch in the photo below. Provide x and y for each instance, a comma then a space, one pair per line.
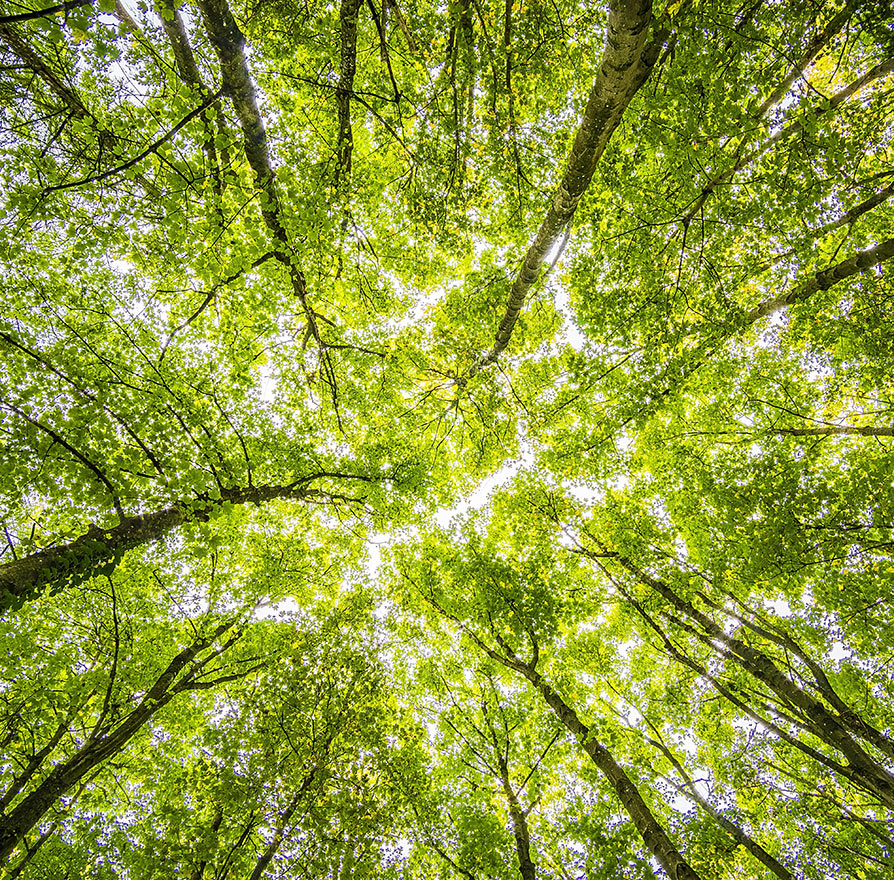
44, 13
152, 148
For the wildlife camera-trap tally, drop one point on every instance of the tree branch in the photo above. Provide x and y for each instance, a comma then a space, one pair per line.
44, 13
823, 280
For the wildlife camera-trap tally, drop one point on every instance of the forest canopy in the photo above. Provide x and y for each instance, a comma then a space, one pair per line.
446, 441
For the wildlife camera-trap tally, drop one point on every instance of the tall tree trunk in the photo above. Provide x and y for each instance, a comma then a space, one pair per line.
347, 68
819, 720
229, 45
284, 818
626, 64
188, 70
517, 815
520, 831
650, 829
102, 745
690, 790
653, 834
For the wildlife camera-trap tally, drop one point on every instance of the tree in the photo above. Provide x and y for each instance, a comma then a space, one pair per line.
446, 441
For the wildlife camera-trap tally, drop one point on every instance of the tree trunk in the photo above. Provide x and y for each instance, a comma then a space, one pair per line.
625, 67
348, 66
690, 790
653, 835
821, 722
99, 747
24, 579
229, 45
517, 815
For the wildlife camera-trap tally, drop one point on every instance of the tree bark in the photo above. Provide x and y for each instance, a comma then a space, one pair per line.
814, 47
67, 6
833, 430
229, 45
625, 67
24, 579
827, 106
348, 66
100, 746
519, 828
174, 29
823, 280
284, 818
69, 97
517, 815
690, 790
653, 835
821, 722
680, 369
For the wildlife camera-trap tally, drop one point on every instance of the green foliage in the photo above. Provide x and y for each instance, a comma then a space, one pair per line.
293, 584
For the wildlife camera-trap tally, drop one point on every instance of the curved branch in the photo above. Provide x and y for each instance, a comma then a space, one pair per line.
56, 437
816, 45
53, 568
152, 148
862, 431
173, 26
17, 43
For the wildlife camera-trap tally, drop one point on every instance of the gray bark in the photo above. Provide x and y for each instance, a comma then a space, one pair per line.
626, 64
820, 721
653, 835
880, 70
229, 45
650, 829
348, 66
823, 280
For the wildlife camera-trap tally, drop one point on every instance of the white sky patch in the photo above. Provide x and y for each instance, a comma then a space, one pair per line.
479, 496
625, 647
277, 610
122, 267
582, 493
268, 383
570, 333
374, 545
422, 303
768, 336
619, 483
780, 607
838, 651
624, 441
567, 540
